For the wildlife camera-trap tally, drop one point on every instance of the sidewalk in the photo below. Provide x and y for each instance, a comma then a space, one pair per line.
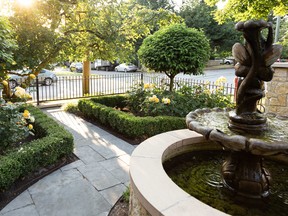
87, 187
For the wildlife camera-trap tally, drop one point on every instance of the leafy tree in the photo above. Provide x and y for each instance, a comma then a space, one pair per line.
109, 29
7, 46
81, 30
221, 36
37, 34
283, 39
175, 49
156, 4
246, 9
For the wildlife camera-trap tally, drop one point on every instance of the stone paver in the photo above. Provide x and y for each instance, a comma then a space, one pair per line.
89, 186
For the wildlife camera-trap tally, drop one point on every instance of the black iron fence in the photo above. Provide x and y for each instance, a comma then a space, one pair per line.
71, 87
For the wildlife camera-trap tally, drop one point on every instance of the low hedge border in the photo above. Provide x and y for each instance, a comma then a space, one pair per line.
102, 110
52, 143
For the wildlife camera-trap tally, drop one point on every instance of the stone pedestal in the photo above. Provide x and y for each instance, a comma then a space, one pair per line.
276, 100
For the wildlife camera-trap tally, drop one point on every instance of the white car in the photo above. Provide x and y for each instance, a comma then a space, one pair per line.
228, 61
126, 67
45, 77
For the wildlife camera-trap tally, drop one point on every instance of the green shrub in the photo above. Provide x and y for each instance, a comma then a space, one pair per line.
14, 124
128, 124
71, 107
53, 143
118, 101
149, 100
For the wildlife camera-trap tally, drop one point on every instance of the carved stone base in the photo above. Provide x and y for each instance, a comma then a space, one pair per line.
244, 174
247, 123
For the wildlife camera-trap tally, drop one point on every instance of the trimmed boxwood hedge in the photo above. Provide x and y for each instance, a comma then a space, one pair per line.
52, 143
102, 110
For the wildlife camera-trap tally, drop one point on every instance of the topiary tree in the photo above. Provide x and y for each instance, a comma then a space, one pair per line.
175, 49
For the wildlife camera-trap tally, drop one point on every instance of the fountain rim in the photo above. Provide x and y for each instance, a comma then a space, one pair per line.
152, 187
234, 142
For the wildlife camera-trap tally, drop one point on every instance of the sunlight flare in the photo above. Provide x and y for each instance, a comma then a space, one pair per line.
25, 3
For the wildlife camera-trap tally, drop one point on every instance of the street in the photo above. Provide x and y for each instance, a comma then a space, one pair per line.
209, 75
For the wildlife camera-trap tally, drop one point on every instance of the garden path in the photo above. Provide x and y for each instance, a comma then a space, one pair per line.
87, 187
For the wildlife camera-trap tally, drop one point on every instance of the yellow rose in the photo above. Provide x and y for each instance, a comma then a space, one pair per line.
32, 76
26, 114
153, 99
146, 85
5, 83
166, 100
30, 126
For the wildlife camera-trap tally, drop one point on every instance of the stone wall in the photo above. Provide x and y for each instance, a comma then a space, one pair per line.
276, 100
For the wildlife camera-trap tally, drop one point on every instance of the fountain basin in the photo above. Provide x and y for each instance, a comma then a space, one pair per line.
243, 172
152, 192
274, 141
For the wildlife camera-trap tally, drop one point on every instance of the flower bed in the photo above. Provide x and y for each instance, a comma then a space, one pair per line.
127, 124
52, 143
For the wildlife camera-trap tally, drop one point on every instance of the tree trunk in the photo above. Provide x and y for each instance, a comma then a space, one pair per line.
86, 77
171, 85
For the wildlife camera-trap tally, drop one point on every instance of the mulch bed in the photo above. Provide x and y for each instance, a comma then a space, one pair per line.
22, 184
121, 208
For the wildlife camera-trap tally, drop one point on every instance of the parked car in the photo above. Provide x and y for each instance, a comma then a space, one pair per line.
228, 61
126, 67
45, 77
76, 66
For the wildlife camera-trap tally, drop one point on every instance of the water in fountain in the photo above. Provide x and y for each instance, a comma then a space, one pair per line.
198, 173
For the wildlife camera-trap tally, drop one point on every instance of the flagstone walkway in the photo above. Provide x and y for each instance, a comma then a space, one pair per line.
87, 187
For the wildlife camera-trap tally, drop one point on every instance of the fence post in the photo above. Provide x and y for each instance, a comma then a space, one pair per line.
37, 91
142, 80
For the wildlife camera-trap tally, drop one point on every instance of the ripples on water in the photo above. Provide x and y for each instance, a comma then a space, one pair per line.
277, 128
198, 173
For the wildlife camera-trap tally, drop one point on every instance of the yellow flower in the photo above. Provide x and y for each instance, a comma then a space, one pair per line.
146, 85
30, 126
5, 83
26, 114
21, 93
32, 76
221, 80
149, 86
153, 99
207, 91
166, 100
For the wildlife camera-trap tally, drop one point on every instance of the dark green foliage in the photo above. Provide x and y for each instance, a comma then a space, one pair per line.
111, 101
175, 49
221, 36
53, 143
128, 124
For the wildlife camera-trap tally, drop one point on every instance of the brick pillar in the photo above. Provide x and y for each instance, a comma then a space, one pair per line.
276, 100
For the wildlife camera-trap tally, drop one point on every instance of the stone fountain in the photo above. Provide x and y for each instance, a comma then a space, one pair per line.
152, 191
243, 172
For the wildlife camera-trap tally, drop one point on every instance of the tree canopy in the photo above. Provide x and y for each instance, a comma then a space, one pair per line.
221, 36
81, 29
156, 4
7, 46
175, 49
246, 9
